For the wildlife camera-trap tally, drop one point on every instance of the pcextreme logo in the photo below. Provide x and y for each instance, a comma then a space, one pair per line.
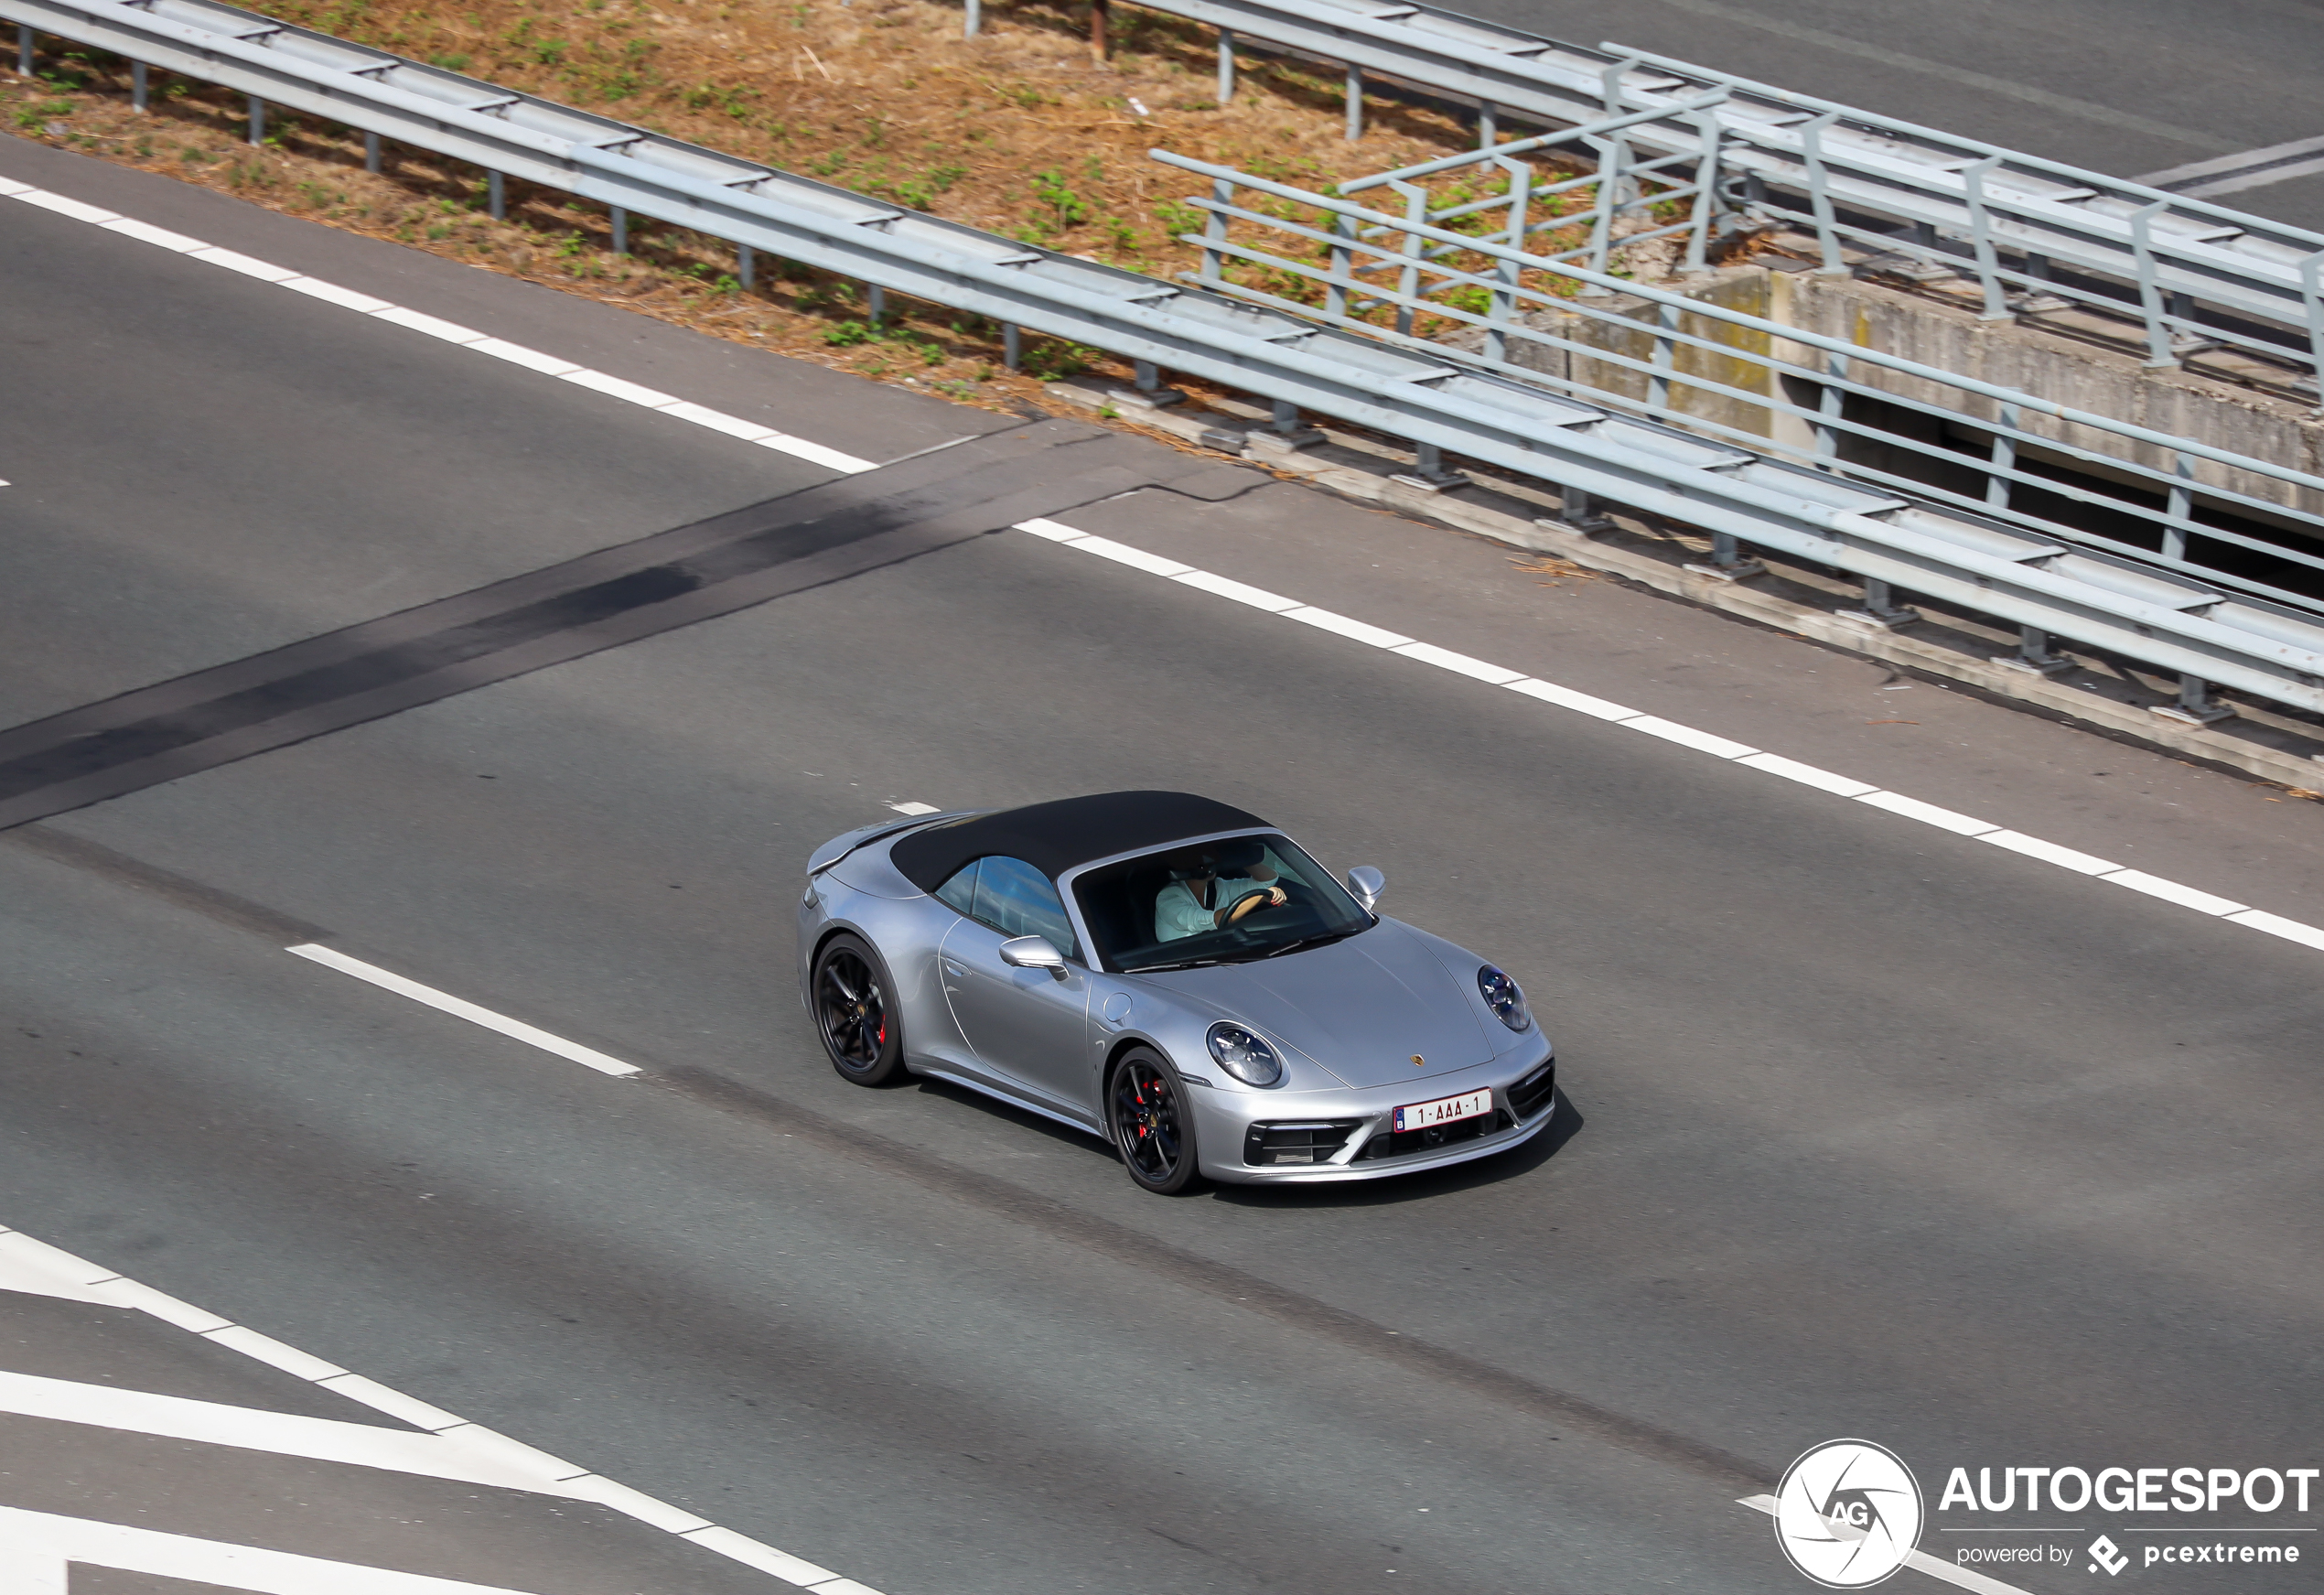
1847, 1514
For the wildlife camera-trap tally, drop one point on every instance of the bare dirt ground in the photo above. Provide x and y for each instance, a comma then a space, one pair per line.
1021, 130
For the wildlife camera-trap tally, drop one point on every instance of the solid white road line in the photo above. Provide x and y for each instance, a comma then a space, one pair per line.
1721, 747
1919, 1561
1718, 746
450, 333
37, 1268
40, 1546
451, 1455
588, 1057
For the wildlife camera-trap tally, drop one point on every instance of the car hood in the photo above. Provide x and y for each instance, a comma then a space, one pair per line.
1360, 1009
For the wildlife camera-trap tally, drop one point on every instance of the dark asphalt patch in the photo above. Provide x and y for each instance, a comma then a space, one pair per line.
807, 539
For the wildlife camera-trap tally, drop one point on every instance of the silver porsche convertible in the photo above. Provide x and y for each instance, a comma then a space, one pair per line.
1176, 975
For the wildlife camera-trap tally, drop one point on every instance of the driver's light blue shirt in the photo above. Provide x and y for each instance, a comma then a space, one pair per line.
1177, 913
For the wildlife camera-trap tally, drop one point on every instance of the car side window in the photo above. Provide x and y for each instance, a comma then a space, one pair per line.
959, 893
1017, 900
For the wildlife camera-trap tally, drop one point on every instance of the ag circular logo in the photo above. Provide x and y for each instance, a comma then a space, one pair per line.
1847, 1514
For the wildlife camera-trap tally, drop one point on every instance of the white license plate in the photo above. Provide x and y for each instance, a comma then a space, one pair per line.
1420, 1115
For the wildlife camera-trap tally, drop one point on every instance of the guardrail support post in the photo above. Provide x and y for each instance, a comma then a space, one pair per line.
1100, 10
371, 152
1012, 345
1578, 511
1488, 133
137, 87
24, 49
2033, 655
1284, 433
2180, 511
746, 267
1355, 102
876, 303
972, 20
621, 229
1727, 562
2196, 707
1226, 65
1881, 608
257, 119
496, 196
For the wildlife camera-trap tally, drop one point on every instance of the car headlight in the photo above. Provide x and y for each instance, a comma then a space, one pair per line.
1244, 1055
1505, 997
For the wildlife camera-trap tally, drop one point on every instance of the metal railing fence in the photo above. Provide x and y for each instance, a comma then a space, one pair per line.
2033, 233
1355, 260
1435, 398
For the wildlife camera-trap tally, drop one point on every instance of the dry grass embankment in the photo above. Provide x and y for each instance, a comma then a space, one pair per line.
1020, 131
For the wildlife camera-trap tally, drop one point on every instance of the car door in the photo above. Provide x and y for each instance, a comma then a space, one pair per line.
1028, 1026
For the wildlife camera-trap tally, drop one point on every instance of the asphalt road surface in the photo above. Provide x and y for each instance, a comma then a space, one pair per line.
1872, 1130
2123, 87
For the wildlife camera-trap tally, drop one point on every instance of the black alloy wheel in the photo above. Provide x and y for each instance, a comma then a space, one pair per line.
1153, 1127
854, 1014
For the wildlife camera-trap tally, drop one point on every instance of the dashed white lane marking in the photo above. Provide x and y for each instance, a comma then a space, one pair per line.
35, 1267
913, 807
1701, 741
450, 333
588, 1057
1690, 736
1919, 1561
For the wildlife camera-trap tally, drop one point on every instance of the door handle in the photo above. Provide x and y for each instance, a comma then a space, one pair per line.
955, 971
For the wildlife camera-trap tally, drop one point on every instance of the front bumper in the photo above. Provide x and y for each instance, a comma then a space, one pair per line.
1258, 1138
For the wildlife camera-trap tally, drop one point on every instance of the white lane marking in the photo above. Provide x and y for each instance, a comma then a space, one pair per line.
317, 1439
1809, 775
332, 294
1257, 598
913, 807
2276, 925
1688, 736
1721, 747
64, 207
249, 267
2051, 853
43, 1269
1459, 663
451, 332
145, 232
31, 1543
434, 326
1341, 626
2186, 896
1927, 813
548, 365
1136, 558
621, 388
588, 1057
1919, 1561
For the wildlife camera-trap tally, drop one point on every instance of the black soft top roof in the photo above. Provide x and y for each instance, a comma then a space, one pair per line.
1055, 836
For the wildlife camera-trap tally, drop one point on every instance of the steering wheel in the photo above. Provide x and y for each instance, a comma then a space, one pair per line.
1250, 902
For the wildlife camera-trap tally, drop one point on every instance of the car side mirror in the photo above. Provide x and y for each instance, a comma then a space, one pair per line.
1367, 883
1033, 952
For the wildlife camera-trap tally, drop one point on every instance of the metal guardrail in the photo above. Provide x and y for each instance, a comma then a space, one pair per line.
1467, 262
1429, 397
2009, 219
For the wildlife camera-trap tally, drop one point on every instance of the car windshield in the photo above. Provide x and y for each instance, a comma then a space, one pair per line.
1213, 902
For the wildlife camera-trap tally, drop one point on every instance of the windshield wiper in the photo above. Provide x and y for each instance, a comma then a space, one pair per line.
1303, 941
1188, 964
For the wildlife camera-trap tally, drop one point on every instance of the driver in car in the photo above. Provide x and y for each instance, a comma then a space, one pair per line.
1213, 888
